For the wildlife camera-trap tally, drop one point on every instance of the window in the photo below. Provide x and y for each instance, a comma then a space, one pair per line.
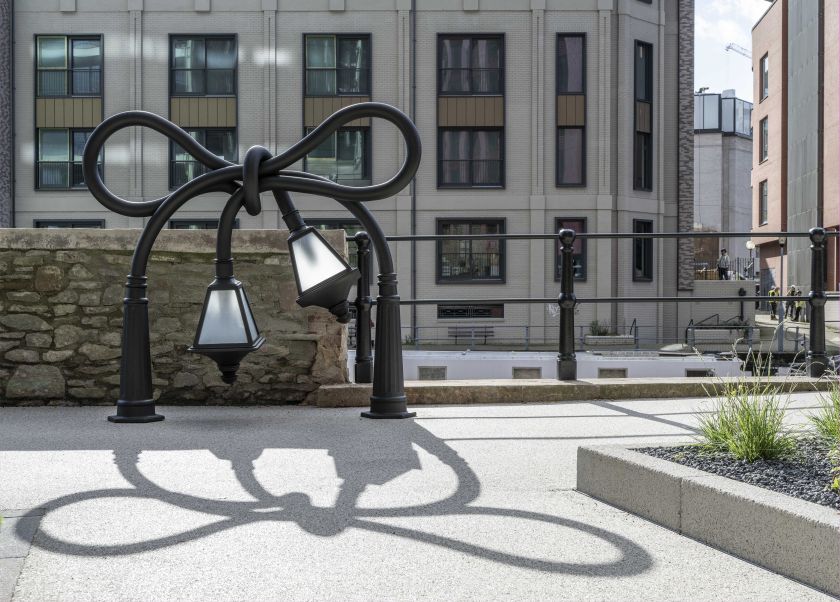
198, 224
203, 66
350, 228
642, 251
59, 154
470, 157
69, 66
763, 135
343, 157
184, 167
470, 260
69, 223
571, 131
765, 73
464, 312
762, 203
337, 65
470, 65
643, 118
578, 247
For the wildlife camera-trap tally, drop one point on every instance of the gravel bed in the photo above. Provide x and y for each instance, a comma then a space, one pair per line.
804, 474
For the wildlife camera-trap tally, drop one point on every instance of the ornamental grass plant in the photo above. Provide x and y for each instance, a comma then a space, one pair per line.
827, 418
748, 419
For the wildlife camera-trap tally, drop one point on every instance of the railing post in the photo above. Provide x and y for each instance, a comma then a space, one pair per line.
816, 300
566, 361
363, 372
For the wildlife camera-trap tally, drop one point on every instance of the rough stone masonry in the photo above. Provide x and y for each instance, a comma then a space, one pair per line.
61, 295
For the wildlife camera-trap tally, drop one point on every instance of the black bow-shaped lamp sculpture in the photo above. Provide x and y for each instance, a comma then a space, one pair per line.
227, 330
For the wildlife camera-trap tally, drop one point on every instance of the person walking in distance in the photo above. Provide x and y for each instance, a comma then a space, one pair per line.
800, 307
723, 265
774, 292
789, 305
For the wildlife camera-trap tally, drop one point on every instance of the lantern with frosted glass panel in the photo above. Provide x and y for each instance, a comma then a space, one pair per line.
323, 278
226, 331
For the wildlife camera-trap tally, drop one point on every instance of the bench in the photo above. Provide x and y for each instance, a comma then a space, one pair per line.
472, 333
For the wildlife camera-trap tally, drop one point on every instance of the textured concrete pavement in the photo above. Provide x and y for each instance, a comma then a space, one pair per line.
461, 503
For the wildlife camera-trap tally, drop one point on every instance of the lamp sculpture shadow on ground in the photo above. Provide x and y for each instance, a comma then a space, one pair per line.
227, 329
349, 448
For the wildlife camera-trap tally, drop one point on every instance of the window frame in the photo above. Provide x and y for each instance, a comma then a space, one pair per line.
558, 92
502, 153
764, 139
337, 36
763, 193
172, 143
98, 224
441, 221
472, 37
583, 252
209, 36
646, 183
764, 77
70, 161
68, 64
367, 178
646, 248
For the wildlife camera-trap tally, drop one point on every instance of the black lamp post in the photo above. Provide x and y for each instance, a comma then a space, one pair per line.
227, 329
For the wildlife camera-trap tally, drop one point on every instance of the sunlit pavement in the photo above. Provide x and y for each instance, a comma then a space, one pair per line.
293, 503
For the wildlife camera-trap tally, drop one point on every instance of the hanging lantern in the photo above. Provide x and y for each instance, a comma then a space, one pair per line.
226, 331
323, 277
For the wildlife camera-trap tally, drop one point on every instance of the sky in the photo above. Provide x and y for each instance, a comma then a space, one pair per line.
716, 24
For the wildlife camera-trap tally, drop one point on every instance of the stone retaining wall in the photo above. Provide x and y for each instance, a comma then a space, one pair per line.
61, 316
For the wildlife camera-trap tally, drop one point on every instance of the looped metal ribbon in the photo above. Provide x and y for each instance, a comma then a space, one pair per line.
260, 170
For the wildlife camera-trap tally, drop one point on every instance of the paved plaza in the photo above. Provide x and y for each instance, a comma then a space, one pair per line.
297, 503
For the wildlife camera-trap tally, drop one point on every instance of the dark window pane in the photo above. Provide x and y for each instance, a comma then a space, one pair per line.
352, 66
470, 259
221, 53
570, 156
570, 64
87, 54
188, 82
221, 143
188, 53
79, 140
455, 65
644, 72
220, 81
643, 162
52, 83
486, 64
642, 251
52, 52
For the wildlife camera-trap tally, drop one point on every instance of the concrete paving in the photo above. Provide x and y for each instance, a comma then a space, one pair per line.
296, 503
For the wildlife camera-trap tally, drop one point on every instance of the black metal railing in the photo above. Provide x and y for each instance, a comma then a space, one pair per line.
567, 300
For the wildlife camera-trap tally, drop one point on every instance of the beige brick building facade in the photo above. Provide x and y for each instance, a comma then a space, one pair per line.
632, 113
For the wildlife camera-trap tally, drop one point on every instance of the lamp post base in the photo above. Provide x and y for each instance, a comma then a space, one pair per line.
380, 415
134, 411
